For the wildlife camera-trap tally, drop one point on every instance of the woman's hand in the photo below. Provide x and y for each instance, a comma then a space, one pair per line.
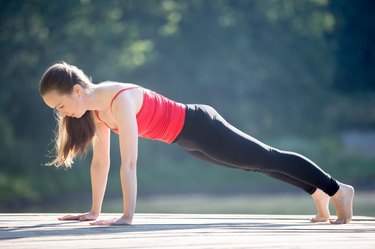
123, 220
82, 217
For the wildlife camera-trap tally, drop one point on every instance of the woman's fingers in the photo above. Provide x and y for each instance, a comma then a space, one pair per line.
103, 222
86, 217
70, 217
119, 221
81, 217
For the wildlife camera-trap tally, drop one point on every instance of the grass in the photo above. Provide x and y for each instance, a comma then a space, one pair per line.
292, 204
364, 204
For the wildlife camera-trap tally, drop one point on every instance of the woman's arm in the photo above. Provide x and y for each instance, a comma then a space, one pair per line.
125, 116
99, 172
100, 166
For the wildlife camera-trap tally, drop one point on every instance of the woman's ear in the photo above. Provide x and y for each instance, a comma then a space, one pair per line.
77, 89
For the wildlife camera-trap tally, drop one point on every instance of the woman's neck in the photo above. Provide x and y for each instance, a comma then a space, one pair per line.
93, 99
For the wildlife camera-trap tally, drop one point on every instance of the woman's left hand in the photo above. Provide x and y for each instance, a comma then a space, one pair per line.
117, 221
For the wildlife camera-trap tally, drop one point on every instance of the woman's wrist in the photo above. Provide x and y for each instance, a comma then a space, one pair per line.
127, 216
125, 219
93, 212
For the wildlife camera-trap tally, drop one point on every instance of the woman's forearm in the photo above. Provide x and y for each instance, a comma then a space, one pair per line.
128, 174
99, 176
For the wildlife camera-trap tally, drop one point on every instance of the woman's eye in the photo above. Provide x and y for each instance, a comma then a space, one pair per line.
61, 107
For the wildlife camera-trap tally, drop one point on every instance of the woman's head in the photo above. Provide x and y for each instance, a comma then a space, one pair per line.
63, 88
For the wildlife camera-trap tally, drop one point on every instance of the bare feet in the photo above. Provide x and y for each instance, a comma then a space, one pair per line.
321, 201
343, 202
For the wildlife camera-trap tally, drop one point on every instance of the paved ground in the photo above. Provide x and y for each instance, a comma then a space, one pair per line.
39, 230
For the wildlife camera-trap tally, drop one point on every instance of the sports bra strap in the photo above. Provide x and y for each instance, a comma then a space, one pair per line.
118, 93
113, 99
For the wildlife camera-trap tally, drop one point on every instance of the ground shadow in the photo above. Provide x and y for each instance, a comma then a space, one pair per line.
71, 228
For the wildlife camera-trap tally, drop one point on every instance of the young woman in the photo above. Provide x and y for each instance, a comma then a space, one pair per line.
88, 112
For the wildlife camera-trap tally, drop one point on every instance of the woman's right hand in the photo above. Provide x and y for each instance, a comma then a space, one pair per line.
81, 217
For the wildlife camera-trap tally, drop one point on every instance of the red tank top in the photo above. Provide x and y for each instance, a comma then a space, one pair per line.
159, 117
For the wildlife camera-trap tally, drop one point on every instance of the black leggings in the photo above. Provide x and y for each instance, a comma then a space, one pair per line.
209, 137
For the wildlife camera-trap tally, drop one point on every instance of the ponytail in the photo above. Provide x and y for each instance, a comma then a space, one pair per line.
73, 137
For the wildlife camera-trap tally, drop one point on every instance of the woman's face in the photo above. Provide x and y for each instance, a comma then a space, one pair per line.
71, 105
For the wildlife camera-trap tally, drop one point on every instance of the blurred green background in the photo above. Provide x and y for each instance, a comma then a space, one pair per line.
298, 75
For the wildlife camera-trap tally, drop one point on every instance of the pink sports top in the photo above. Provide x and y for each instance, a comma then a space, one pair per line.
159, 117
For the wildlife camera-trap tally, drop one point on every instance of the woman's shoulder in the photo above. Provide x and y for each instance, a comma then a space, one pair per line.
114, 85
110, 90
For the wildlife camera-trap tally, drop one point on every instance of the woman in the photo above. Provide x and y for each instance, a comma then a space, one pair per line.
88, 112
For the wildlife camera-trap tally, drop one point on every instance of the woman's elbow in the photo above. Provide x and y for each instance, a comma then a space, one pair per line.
129, 165
102, 164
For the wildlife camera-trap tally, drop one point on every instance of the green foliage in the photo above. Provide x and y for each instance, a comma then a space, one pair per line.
283, 71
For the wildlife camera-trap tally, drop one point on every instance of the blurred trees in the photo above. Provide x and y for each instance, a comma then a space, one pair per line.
294, 73
354, 50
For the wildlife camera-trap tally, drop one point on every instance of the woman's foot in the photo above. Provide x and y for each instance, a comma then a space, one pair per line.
321, 201
343, 202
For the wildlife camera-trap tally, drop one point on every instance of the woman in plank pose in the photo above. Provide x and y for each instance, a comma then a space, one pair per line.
88, 112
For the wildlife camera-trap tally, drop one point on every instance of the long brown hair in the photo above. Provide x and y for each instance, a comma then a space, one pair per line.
73, 136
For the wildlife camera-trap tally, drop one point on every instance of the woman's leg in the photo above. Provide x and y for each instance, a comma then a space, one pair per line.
321, 199
285, 178
207, 132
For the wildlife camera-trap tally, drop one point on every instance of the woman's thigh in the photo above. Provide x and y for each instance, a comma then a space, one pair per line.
211, 134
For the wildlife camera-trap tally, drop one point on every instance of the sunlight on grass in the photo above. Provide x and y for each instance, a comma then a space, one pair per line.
252, 204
